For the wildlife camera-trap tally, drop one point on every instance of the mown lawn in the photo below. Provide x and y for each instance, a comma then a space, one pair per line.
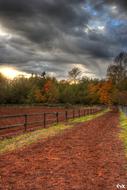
26, 139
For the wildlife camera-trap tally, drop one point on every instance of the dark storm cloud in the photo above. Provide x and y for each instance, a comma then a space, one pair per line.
55, 35
121, 3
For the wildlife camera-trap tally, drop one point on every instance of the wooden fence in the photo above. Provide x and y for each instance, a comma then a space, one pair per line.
24, 121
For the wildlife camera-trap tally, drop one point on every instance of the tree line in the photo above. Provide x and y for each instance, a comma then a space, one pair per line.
74, 90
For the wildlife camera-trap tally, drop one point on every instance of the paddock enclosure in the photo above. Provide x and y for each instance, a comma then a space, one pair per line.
19, 119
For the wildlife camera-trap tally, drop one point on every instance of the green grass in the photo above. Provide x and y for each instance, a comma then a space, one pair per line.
88, 117
123, 133
26, 139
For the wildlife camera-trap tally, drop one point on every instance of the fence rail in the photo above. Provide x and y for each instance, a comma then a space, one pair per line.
42, 119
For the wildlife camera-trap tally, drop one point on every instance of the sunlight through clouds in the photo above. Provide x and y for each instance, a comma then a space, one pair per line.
4, 33
11, 72
52, 35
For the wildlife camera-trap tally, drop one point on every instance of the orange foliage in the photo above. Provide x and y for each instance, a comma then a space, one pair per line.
106, 92
48, 86
93, 88
50, 91
102, 90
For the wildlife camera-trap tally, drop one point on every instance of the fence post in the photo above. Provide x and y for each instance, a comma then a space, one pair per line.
44, 120
66, 115
84, 112
73, 114
25, 123
57, 117
79, 113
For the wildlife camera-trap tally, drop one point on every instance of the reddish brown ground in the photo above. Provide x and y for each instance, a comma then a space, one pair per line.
31, 119
87, 157
10, 110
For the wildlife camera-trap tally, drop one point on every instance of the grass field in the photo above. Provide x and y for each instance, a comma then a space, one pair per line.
26, 139
123, 133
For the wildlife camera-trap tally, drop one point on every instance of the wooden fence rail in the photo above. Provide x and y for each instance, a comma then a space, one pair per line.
47, 118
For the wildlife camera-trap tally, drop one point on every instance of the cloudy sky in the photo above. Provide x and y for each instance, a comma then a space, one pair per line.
56, 35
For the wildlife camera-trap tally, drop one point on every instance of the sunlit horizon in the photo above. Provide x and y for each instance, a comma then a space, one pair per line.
11, 72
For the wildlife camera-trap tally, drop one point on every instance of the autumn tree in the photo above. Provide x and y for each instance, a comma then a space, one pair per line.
39, 98
4, 89
105, 92
50, 91
93, 89
19, 89
120, 97
101, 92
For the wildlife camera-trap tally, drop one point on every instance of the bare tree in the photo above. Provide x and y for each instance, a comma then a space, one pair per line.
121, 59
118, 71
43, 74
74, 74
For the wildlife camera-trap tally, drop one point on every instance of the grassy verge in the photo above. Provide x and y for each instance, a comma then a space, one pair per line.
26, 139
87, 117
123, 133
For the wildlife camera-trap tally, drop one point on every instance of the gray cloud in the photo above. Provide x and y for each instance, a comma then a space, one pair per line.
55, 35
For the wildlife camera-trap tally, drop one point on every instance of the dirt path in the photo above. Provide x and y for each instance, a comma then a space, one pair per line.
87, 157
